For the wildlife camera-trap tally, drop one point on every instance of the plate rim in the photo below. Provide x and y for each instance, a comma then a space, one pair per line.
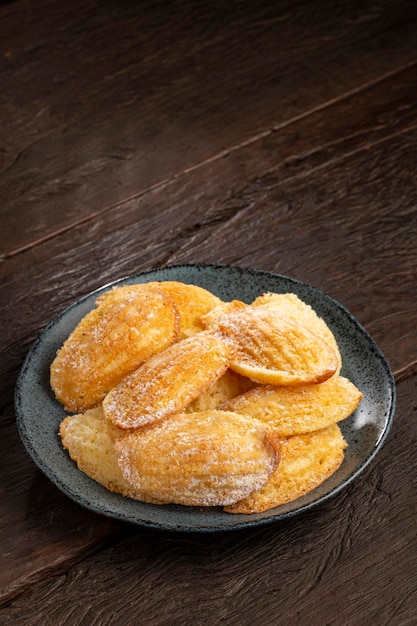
249, 520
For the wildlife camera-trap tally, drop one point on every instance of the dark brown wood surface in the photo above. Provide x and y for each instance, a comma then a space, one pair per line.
275, 135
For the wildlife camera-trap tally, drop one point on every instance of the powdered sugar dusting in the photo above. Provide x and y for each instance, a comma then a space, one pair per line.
167, 382
210, 458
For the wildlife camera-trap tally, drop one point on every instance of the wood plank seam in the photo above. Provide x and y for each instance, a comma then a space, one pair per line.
223, 153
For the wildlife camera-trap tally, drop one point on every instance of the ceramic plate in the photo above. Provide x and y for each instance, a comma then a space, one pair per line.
39, 414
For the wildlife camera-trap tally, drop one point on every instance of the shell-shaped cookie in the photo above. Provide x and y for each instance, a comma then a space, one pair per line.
271, 349
191, 301
306, 461
289, 305
207, 458
89, 439
211, 319
109, 343
168, 382
300, 409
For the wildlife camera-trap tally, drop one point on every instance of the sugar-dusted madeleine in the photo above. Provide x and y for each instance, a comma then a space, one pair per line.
307, 460
182, 398
271, 349
211, 319
168, 382
110, 342
300, 409
209, 458
289, 305
89, 439
191, 301
223, 389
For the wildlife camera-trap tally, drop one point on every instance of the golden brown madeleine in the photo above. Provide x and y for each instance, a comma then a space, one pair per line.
300, 409
271, 349
211, 318
89, 439
223, 389
209, 458
191, 301
109, 343
289, 305
306, 461
120, 294
168, 382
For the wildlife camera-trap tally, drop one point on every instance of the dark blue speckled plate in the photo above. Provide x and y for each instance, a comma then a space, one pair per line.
39, 414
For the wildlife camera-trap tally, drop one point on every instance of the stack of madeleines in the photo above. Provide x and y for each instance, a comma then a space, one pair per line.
180, 398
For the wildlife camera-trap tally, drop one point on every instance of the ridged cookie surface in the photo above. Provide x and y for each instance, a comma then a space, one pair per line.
289, 305
191, 301
168, 382
271, 349
110, 342
209, 458
306, 461
301, 409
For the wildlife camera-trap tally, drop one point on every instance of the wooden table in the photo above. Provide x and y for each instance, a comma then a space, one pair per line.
278, 135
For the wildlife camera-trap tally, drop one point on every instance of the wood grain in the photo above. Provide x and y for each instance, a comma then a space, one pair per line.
244, 69
255, 206
328, 199
275, 135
